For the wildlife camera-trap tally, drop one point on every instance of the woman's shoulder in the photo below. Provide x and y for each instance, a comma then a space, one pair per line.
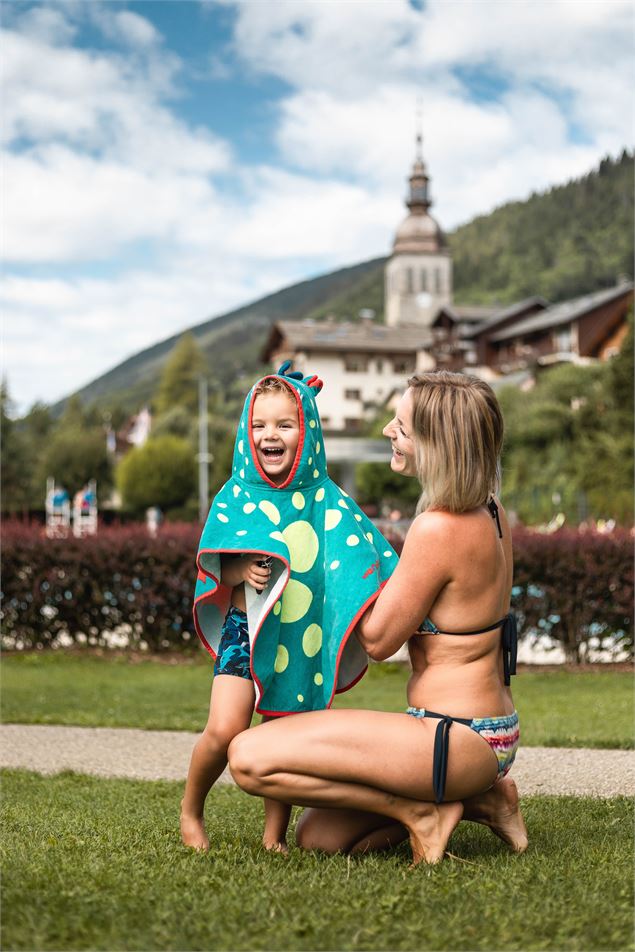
432, 526
444, 528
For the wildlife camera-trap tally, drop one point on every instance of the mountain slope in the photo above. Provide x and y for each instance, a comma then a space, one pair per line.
231, 343
573, 239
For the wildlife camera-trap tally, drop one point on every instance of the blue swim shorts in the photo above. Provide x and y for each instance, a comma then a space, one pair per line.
233, 649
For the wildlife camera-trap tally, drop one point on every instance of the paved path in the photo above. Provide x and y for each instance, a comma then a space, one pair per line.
164, 755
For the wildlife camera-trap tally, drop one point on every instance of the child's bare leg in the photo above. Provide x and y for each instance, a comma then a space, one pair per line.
499, 809
276, 822
277, 816
230, 710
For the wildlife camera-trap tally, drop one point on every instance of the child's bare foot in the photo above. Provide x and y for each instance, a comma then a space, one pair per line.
275, 845
430, 826
193, 831
498, 809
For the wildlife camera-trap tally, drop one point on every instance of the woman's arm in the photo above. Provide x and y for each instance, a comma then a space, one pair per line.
423, 570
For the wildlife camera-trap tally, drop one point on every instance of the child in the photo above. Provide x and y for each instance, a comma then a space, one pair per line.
287, 565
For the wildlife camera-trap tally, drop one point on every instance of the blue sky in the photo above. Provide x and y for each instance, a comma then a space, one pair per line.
166, 161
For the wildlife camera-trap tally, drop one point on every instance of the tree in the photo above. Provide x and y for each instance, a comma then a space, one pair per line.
176, 422
160, 473
14, 458
73, 456
179, 380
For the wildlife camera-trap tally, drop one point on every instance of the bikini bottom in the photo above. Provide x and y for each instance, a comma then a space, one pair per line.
501, 733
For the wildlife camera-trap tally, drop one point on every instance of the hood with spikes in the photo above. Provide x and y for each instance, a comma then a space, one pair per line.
329, 563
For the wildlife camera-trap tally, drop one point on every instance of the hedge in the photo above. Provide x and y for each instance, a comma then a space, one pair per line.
122, 587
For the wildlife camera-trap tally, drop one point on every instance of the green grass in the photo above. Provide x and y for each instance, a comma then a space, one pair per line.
557, 708
97, 864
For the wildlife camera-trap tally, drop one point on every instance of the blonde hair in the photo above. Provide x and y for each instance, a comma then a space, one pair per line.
273, 385
457, 436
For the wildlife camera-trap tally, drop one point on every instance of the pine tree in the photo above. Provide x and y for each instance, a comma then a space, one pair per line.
179, 380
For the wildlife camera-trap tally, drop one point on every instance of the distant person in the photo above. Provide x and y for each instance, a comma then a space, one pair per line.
287, 564
372, 778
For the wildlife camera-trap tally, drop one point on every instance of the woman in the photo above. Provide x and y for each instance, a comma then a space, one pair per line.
383, 776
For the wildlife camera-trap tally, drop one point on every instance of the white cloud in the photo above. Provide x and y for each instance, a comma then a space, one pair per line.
355, 65
100, 167
60, 334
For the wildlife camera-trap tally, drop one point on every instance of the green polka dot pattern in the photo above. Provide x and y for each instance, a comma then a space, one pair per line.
331, 563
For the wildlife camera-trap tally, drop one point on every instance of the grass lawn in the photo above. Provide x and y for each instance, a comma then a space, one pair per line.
97, 864
557, 708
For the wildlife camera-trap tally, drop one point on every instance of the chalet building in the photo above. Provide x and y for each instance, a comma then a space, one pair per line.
534, 333
456, 330
361, 364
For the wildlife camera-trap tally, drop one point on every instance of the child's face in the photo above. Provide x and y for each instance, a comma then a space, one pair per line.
276, 431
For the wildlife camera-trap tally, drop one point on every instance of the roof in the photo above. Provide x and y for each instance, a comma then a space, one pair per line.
485, 318
563, 313
467, 313
329, 336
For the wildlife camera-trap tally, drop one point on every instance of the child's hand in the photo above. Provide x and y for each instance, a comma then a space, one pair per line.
254, 572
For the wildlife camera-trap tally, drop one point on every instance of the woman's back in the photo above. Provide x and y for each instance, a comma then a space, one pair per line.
466, 668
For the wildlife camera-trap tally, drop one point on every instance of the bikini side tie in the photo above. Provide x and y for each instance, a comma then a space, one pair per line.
441, 750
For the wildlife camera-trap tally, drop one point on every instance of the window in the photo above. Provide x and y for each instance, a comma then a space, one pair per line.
410, 285
380, 366
437, 280
423, 276
352, 424
352, 394
355, 364
403, 365
563, 339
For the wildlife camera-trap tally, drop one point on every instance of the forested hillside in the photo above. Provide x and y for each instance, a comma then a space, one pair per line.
570, 240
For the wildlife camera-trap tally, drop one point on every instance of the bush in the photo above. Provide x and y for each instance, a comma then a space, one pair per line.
120, 586
161, 473
576, 587
573, 586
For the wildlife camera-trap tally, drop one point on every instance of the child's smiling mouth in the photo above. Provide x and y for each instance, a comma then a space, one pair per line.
272, 453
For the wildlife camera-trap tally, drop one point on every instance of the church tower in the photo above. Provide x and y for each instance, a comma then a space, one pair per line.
418, 277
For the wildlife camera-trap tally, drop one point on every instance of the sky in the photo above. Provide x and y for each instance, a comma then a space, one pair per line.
164, 162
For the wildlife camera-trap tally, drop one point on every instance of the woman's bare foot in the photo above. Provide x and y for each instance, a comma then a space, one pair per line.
193, 831
498, 809
430, 826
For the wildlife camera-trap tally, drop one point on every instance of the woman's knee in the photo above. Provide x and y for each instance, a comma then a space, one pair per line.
245, 762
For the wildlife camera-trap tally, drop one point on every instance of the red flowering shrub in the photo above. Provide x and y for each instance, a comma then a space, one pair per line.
120, 585
573, 586
124, 587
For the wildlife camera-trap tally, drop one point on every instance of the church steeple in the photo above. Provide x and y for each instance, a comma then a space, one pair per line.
419, 270
419, 200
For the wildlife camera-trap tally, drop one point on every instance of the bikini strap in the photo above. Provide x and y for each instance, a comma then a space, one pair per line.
509, 639
493, 511
476, 631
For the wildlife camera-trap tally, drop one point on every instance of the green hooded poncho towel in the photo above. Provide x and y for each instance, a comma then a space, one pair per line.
329, 563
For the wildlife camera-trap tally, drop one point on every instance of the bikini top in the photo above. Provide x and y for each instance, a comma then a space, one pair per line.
509, 633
